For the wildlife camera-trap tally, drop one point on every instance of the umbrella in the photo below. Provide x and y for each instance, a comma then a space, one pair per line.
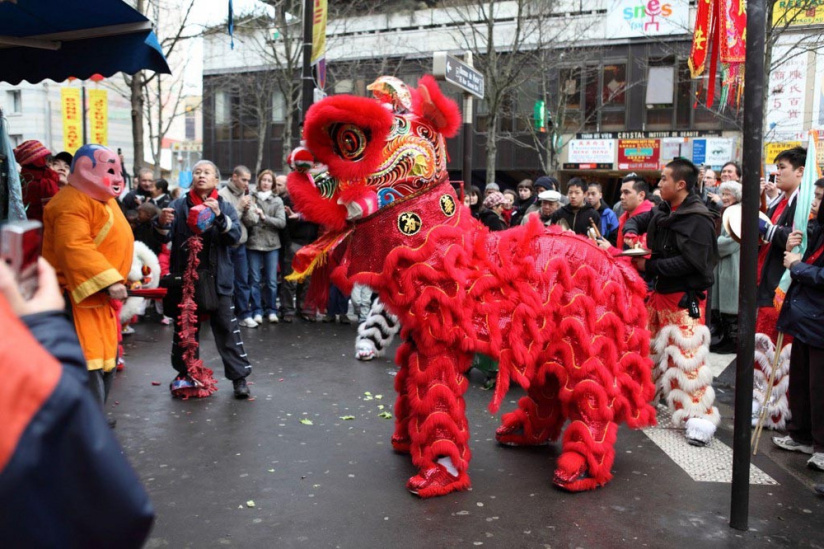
57, 39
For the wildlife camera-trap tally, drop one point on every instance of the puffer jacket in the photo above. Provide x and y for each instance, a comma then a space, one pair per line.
264, 234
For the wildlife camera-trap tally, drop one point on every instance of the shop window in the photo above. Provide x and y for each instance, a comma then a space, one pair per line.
614, 79
278, 107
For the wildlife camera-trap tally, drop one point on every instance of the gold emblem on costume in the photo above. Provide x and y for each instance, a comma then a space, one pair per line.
409, 223
447, 205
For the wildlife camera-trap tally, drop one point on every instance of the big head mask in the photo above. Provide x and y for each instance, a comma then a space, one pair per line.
96, 171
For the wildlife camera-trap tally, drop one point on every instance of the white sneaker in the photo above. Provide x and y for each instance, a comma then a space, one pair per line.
248, 323
817, 461
258, 319
127, 330
273, 318
787, 443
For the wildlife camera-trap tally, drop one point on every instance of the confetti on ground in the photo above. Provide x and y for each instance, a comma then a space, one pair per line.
271, 470
381, 406
367, 393
306, 421
155, 383
347, 418
378, 397
385, 415
250, 503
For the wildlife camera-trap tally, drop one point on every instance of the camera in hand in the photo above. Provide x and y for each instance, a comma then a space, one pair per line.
20, 245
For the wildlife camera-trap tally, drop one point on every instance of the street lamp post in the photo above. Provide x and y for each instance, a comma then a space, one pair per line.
752, 141
308, 80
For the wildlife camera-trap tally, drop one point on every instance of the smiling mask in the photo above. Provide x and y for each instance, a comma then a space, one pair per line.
96, 171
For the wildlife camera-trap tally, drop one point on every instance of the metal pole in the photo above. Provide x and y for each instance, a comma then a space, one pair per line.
467, 134
752, 141
308, 81
83, 109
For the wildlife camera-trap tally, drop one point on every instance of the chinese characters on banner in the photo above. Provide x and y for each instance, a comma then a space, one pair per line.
787, 91
99, 116
638, 154
72, 119
591, 151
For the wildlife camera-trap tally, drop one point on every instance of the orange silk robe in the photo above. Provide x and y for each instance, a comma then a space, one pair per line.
90, 244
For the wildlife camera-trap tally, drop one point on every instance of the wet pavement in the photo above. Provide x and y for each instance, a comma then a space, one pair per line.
284, 470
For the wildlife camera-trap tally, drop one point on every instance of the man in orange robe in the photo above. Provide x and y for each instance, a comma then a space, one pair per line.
90, 243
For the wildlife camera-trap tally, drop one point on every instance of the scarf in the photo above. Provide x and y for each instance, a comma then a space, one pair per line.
264, 195
197, 201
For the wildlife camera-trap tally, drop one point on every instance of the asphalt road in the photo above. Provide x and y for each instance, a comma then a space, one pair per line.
256, 473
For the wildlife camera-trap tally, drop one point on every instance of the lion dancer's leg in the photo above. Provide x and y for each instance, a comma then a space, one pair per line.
681, 346
765, 339
539, 416
437, 424
588, 446
778, 409
400, 439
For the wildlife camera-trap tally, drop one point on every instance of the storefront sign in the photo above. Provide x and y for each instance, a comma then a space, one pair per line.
638, 154
787, 92
72, 119
674, 147
596, 166
771, 150
648, 135
636, 18
719, 152
99, 116
591, 151
798, 12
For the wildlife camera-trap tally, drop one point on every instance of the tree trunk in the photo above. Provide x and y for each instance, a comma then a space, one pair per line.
263, 127
137, 121
491, 146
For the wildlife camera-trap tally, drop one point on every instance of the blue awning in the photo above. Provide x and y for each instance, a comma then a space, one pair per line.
57, 39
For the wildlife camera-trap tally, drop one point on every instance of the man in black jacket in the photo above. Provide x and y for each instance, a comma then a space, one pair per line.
215, 255
681, 236
577, 215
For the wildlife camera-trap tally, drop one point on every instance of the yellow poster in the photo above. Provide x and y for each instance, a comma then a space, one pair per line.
318, 30
99, 116
72, 119
798, 12
771, 150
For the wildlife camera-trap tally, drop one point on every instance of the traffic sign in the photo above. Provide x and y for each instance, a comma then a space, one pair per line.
454, 71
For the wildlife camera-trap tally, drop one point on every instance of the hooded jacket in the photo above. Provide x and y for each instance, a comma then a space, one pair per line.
264, 235
578, 220
683, 244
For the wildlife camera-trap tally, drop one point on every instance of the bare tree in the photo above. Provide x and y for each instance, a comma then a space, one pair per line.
509, 41
156, 99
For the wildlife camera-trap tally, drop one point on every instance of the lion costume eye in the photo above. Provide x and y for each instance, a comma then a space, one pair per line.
350, 141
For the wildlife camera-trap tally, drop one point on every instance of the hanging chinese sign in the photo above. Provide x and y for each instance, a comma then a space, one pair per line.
720, 35
72, 119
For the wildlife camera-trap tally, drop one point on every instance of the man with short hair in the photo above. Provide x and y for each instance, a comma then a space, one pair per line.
681, 236
609, 221
731, 171
634, 191
578, 216
143, 192
236, 193
790, 165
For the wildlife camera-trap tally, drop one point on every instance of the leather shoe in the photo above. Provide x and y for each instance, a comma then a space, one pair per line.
241, 389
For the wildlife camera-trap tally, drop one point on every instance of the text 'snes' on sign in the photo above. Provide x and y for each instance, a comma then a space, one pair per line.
458, 73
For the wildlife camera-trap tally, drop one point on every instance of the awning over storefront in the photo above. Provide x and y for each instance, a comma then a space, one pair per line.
57, 39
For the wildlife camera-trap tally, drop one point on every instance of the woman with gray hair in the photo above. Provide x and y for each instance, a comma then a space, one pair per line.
725, 290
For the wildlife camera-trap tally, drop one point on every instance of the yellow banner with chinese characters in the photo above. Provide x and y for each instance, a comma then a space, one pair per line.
798, 12
99, 117
318, 30
72, 119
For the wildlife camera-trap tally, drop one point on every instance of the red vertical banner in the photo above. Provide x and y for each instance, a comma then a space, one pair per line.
700, 38
733, 27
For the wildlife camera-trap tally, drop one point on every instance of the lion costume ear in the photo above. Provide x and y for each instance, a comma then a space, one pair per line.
348, 133
442, 112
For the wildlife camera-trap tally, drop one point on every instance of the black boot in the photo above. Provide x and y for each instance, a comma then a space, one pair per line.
729, 341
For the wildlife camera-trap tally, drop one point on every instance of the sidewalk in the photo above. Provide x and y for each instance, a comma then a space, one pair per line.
251, 474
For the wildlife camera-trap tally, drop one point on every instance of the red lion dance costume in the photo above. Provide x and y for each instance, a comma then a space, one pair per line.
564, 319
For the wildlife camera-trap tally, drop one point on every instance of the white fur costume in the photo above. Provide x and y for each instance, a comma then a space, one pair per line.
778, 408
375, 334
143, 256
